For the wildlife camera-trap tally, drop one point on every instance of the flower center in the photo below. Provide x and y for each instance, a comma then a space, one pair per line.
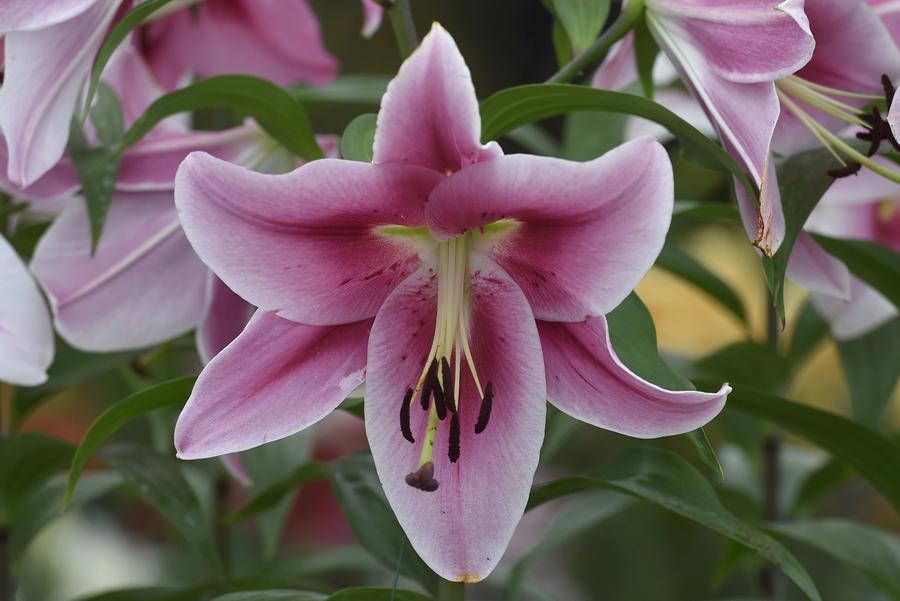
438, 388
794, 90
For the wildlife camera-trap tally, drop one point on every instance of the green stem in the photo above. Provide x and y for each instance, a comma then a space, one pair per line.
7, 585
400, 13
451, 591
597, 51
769, 576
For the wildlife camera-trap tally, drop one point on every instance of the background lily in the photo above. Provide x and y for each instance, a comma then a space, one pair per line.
121, 296
50, 46
464, 286
729, 55
865, 207
26, 335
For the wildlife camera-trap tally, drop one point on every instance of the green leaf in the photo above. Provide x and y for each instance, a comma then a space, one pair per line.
681, 264
367, 593
645, 51
820, 483
873, 263
70, 367
128, 23
871, 551
803, 179
41, 506
271, 495
358, 138
358, 89
98, 167
150, 594
873, 456
667, 480
274, 595
582, 19
168, 394
746, 363
633, 337
358, 491
810, 330
513, 107
27, 460
157, 479
872, 368
272, 107
575, 521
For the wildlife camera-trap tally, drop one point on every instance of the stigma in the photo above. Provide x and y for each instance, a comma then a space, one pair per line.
438, 389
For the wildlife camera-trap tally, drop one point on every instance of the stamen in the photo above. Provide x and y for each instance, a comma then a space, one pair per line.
404, 416
845, 171
453, 445
449, 397
484, 415
430, 385
889, 89
440, 400
423, 478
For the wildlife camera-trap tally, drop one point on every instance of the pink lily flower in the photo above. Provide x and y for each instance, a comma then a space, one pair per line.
121, 296
894, 117
26, 336
464, 286
729, 55
273, 39
50, 46
49, 49
864, 207
373, 13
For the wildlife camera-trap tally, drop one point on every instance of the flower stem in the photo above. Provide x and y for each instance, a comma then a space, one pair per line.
403, 24
769, 577
7, 585
451, 591
596, 52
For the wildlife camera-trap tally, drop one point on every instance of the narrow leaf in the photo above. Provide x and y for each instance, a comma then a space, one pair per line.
873, 263
873, 456
871, 551
582, 19
157, 479
511, 108
270, 496
872, 369
273, 595
168, 394
27, 460
667, 480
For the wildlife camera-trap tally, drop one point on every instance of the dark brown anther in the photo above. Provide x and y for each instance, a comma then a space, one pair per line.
423, 478
889, 89
484, 415
846, 171
429, 385
404, 416
449, 397
453, 445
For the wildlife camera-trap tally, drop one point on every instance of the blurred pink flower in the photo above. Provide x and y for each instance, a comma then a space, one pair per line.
277, 40
864, 207
26, 336
446, 275
123, 296
373, 13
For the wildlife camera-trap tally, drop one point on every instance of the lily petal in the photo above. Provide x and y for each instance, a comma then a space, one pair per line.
585, 233
889, 13
867, 310
59, 183
462, 528
816, 270
586, 380
277, 378
24, 15
304, 244
373, 13
429, 114
45, 72
123, 297
744, 41
894, 117
224, 319
26, 336
151, 164
273, 39
744, 115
